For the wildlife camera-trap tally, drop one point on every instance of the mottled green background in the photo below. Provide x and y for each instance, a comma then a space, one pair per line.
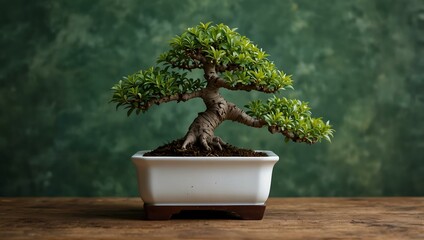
359, 63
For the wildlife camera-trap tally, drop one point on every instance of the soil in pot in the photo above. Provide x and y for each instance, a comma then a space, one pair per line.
174, 149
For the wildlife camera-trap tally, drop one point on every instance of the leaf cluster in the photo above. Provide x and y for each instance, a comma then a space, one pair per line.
239, 61
139, 90
292, 118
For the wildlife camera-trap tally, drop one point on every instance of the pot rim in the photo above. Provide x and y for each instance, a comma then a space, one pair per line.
271, 156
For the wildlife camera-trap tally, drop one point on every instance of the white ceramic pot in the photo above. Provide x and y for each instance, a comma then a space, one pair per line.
176, 181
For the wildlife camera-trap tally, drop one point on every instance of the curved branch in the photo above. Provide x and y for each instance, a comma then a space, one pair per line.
290, 135
176, 97
197, 55
229, 67
187, 66
220, 82
186, 59
213, 78
238, 115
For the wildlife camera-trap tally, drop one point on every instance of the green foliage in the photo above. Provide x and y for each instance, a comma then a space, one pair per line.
239, 60
292, 118
140, 90
242, 64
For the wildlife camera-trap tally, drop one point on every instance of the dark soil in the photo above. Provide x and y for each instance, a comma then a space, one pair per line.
174, 149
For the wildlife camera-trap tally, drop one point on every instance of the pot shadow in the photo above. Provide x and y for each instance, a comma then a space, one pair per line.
108, 210
122, 211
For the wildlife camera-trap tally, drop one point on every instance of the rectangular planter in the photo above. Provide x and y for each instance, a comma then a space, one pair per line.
209, 181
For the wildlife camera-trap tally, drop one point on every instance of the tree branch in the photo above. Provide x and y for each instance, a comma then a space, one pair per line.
238, 115
219, 82
229, 67
187, 66
176, 97
290, 135
197, 56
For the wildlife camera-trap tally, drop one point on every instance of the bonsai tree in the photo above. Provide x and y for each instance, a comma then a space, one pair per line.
228, 60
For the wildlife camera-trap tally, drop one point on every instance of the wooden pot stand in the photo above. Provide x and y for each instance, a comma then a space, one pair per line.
166, 212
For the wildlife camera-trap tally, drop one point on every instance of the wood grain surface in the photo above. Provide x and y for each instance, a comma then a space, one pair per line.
285, 218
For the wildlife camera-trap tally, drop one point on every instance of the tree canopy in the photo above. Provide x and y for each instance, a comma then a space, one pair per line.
241, 63
230, 61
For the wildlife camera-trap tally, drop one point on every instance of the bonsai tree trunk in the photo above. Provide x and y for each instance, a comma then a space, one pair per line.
217, 111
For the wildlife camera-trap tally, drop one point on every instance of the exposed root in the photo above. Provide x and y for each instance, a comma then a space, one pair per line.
217, 142
189, 140
206, 142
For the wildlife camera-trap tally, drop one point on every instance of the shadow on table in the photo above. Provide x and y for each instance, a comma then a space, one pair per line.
108, 210
122, 211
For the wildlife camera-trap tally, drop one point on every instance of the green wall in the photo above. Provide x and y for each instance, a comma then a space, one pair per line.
358, 63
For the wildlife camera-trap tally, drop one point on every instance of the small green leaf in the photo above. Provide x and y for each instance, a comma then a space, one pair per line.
130, 111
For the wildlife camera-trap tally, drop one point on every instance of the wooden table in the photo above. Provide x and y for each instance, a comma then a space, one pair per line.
285, 218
